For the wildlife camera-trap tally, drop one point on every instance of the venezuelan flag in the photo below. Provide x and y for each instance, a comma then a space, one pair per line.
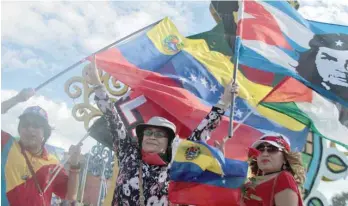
198, 169
185, 78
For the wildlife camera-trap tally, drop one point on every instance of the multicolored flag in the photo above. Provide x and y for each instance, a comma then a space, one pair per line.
225, 13
198, 169
243, 111
276, 38
300, 102
186, 71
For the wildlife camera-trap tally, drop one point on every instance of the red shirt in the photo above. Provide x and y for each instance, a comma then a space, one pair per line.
284, 181
23, 191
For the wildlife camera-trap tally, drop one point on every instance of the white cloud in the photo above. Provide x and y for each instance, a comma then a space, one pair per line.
67, 130
74, 29
334, 11
21, 59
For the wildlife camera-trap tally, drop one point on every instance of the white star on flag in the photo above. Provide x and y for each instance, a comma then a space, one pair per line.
193, 77
339, 43
204, 82
238, 113
213, 88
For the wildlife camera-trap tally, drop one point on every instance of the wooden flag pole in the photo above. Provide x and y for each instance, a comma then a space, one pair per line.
86, 58
238, 43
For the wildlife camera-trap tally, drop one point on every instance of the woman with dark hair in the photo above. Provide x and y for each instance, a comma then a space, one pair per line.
277, 174
143, 164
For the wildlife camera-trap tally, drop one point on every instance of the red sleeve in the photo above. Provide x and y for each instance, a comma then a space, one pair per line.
285, 181
60, 187
4, 138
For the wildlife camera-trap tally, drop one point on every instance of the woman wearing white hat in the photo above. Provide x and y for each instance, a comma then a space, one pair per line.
143, 177
277, 173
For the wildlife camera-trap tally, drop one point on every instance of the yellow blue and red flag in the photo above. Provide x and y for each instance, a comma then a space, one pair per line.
185, 78
198, 169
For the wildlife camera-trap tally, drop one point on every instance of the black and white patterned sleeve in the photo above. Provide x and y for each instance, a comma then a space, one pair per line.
122, 142
207, 125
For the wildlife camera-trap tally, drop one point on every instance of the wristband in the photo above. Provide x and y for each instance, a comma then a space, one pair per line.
75, 167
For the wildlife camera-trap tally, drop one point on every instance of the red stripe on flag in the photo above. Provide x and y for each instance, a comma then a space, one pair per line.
203, 194
258, 76
289, 90
262, 26
113, 62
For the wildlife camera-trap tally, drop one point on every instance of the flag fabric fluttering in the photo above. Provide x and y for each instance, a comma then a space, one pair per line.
278, 39
216, 42
296, 100
181, 76
168, 61
198, 169
225, 13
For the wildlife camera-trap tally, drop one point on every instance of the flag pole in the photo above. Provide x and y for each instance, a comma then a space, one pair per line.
86, 58
236, 62
84, 178
59, 167
101, 184
239, 124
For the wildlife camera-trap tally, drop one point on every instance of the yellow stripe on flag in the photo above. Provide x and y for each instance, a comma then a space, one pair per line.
205, 160
220, 67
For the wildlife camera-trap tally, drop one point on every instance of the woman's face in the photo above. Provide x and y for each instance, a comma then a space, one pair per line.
155, 140
271, 158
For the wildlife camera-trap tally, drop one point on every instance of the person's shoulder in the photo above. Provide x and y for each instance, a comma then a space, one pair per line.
285, 180
5, 138
285, 174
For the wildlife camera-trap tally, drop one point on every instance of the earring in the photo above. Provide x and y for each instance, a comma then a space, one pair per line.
284, 167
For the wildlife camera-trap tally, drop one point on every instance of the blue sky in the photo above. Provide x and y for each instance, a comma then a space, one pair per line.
39, 39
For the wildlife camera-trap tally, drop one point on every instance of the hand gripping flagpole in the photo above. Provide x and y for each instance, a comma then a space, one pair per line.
86, 58
59, 167
236, 62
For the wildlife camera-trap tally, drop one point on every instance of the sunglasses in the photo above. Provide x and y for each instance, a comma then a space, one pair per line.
157, 134
270, 149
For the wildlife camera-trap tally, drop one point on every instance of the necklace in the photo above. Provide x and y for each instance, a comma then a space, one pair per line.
269, 173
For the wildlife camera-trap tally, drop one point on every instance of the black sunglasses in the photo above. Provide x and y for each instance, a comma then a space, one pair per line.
157, 134
269, 148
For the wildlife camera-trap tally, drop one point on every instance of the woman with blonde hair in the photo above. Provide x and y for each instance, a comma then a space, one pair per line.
277, 174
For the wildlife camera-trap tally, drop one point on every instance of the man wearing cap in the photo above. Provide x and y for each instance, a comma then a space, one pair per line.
143, 177
27, 167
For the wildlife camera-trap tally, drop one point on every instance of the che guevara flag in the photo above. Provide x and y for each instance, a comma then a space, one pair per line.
276, 38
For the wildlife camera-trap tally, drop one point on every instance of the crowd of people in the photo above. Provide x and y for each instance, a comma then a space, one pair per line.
277, 174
